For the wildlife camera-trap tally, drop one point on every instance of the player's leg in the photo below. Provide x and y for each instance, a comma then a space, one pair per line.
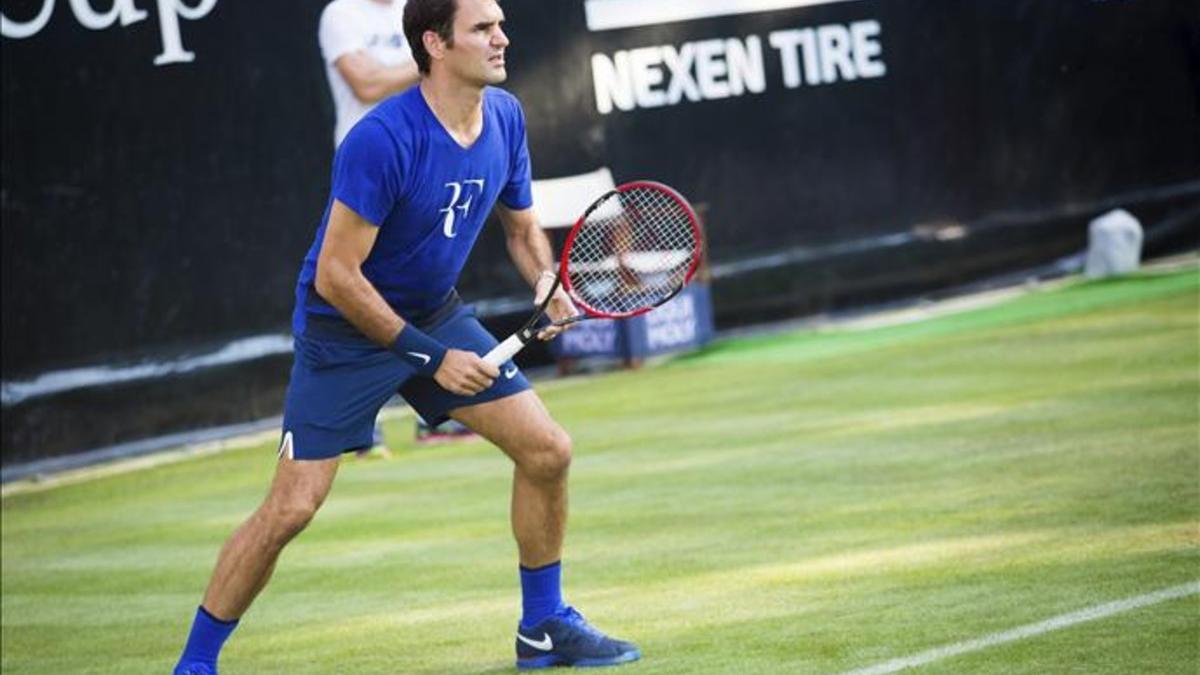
540, 449
512, 416
246, 561
550, 632
337, 387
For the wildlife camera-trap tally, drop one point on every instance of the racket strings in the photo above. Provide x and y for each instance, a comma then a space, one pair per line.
635, 250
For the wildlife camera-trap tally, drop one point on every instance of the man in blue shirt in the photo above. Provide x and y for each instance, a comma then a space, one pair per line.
376, 312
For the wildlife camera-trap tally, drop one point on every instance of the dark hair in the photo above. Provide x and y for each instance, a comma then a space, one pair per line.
425, 15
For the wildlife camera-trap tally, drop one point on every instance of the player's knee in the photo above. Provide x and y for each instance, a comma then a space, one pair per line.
288, 517
552, 458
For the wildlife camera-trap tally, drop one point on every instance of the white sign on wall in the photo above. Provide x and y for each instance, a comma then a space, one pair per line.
127, 13
613, 14
718, 68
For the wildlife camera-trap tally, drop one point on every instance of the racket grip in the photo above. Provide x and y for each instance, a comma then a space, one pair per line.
505, 350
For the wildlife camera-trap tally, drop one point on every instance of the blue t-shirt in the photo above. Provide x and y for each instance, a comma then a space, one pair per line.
401, 170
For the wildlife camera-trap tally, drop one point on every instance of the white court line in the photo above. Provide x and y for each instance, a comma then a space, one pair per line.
1061, 621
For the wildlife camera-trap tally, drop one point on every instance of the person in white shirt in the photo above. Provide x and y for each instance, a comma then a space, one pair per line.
367, 57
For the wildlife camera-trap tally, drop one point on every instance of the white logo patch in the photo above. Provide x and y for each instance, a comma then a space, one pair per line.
456, 192
510, 373
424, 357
545, 644
285, 448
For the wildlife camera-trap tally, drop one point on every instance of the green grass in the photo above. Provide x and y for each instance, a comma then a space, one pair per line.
807, 503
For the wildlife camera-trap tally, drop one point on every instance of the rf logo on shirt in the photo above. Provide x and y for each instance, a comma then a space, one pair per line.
459, 190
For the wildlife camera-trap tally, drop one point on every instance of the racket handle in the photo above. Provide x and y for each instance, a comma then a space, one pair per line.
505, 350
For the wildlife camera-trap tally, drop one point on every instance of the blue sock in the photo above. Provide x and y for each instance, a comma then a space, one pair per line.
541, 593
207, 636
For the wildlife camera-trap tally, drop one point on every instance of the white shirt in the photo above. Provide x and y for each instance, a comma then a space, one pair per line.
348, 26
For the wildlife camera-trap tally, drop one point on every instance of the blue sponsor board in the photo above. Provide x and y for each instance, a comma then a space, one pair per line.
686, 322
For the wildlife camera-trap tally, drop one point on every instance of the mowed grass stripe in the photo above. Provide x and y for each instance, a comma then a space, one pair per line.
816, 502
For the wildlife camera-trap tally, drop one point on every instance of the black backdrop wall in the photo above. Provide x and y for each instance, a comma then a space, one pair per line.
163, 169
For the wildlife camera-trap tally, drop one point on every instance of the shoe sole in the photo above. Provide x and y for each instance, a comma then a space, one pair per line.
552, 660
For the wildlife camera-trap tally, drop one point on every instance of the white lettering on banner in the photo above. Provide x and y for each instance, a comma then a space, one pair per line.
18, 30
746, 70
829, 53
680, 64
834, 42
169, 12
647, 76
590, 337
672, 324
706, 70
710, 69
92, 19
612, 81
867, 48
785, 42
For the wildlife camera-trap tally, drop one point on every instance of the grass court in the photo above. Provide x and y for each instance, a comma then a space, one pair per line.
812, 502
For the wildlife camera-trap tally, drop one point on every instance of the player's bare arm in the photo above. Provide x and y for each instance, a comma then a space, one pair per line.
348, 240
529, 248
373, 81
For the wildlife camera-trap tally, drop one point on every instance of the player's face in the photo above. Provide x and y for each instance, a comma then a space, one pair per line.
479, 42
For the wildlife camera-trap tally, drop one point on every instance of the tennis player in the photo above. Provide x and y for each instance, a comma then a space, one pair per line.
376, 312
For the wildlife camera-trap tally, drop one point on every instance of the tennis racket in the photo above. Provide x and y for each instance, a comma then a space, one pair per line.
632, 250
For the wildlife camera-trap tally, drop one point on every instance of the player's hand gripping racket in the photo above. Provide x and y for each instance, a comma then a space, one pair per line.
633, 249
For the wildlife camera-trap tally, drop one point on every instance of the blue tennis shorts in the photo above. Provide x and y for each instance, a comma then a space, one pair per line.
340, 380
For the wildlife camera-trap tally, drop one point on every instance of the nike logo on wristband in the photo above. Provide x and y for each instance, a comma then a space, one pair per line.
425, 358
510, 373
